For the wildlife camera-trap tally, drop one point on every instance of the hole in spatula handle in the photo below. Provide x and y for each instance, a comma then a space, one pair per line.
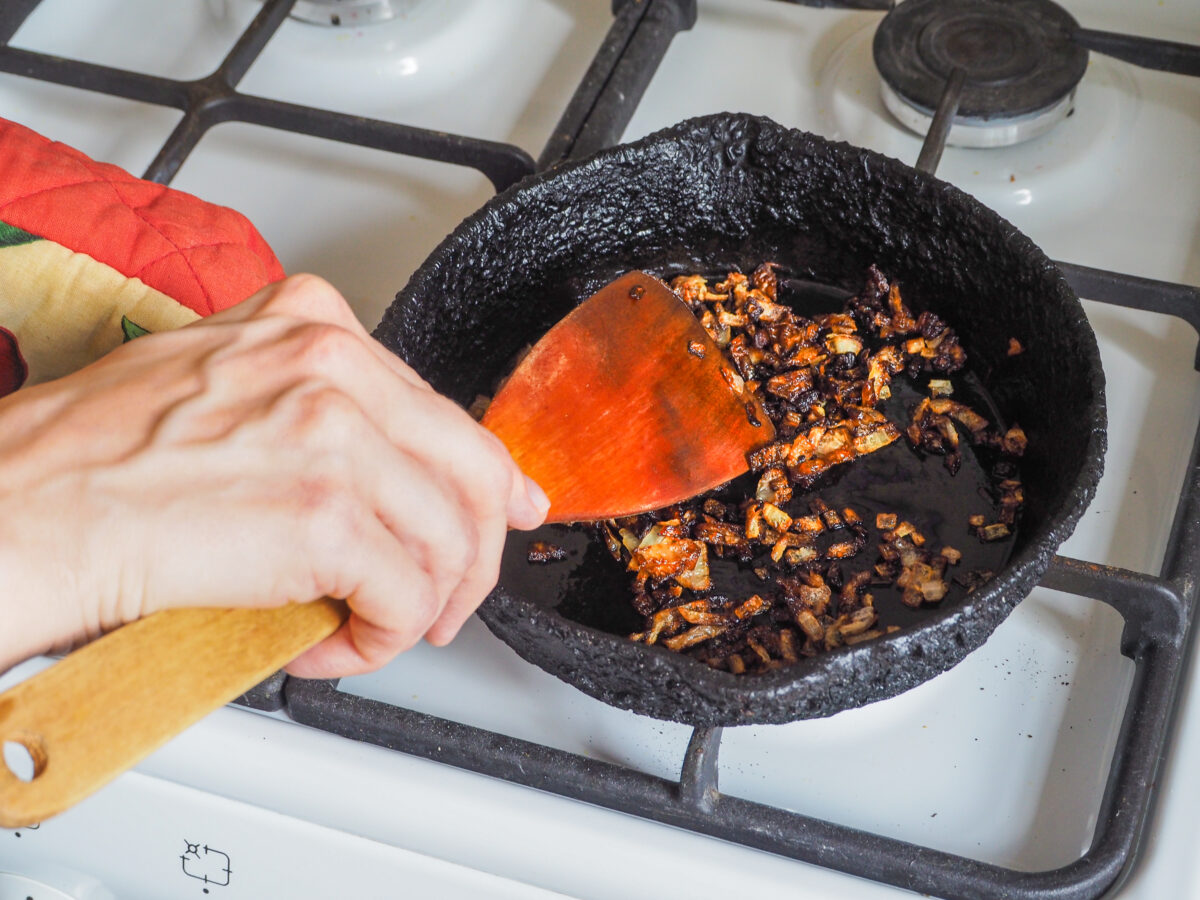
25, 757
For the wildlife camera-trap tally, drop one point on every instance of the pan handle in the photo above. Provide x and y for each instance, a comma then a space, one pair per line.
107, 706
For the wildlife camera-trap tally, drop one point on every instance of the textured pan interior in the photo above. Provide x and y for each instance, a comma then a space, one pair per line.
731, 191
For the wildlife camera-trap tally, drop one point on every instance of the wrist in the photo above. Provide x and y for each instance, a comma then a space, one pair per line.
36, 616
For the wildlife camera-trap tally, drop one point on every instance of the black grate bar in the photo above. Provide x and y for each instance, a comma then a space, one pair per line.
1153, 607
611, 786
1181, 561
943, 118
503, 164
614, 84
179, 144
1181, 300
252, 41
698, 777
94, 77
13, 14
1149, 53
1135, 292
598, 74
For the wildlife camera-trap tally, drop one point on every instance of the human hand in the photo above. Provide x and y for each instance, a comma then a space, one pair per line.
271, 453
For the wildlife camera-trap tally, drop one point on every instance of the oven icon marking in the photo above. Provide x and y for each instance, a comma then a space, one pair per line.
206, 864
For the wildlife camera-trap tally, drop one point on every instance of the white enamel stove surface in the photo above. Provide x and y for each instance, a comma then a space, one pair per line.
1002, 759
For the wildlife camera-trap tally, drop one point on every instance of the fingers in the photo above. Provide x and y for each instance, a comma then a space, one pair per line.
446, 490
391, 607
328, 340
484, 574
453, 540
434, 430
476, 584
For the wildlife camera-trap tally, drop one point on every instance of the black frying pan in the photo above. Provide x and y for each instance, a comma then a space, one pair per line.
733, 191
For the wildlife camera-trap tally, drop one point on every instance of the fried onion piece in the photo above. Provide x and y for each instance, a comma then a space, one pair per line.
865, 636
722, 537
668, 621
856, 622
696, 578
790, 385
811, 627
693, 290
698, 613
1014, 441
764, 279
787, 646
666, 559
774, 486
693, 636
883, 364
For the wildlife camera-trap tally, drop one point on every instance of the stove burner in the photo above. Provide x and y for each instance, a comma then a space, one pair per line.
349, 12
1020, 64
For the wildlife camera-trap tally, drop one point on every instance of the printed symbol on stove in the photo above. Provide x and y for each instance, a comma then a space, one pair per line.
206, 864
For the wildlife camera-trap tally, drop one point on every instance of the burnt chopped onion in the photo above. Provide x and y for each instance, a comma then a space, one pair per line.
820, 380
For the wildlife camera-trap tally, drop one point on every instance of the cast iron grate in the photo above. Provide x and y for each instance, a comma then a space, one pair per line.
601, 108
1158, 609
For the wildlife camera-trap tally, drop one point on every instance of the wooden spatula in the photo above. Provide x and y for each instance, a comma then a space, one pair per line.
624, 406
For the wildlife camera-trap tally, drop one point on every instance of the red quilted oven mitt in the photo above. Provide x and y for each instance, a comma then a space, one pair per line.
89, 254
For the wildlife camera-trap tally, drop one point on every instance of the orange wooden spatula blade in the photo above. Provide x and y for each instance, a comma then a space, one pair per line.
626, 405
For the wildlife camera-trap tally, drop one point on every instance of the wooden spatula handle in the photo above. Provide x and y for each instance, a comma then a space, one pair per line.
105, 707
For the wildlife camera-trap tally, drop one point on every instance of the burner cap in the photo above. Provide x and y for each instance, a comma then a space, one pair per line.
1018, 57
348, 13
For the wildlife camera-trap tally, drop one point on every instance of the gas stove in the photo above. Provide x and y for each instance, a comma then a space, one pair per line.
355, 149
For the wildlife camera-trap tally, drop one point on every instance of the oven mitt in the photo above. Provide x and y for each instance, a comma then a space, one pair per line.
91, 256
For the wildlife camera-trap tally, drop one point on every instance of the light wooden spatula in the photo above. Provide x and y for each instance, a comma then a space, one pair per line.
626, 405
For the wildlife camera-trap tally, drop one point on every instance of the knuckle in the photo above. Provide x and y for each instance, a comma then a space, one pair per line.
489, 578
422, 608
324, 347
454, 547
377, 647
495, 468
426, 606
304, 293
484, 576
494, 447
308, 283
321, 411
466, 546
330, 518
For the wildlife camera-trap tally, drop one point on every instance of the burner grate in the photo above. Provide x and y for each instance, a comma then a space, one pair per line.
598, 113
1018, 57
1158, 610
1001, 73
